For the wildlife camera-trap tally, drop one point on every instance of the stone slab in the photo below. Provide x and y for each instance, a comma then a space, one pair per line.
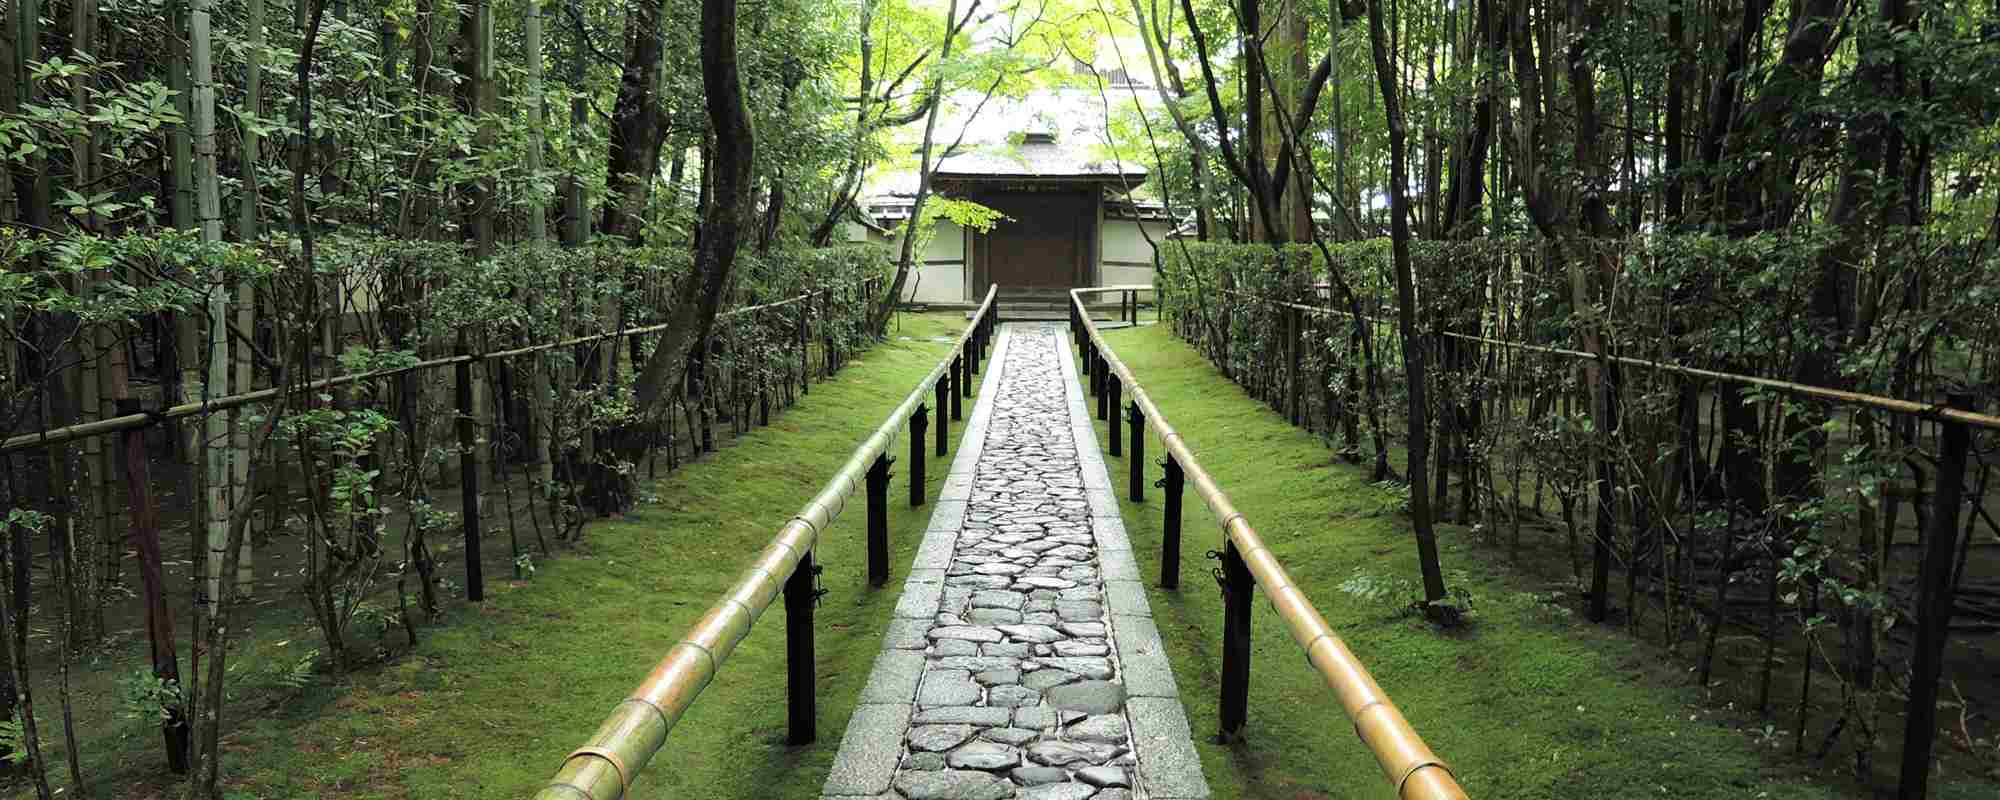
866, 763
1126, 597
1168, 763
894, 678
906, 634
919, 600
1118, 565
1144, 657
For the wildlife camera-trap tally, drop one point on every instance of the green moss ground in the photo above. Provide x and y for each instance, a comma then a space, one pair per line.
1527, 703
493, 698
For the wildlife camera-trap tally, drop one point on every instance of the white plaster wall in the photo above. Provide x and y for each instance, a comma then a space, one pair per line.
940, 274
935, 283
1124, 242
947, 243
1115, 275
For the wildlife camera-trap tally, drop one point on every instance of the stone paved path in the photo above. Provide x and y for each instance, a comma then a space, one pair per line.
1023, 662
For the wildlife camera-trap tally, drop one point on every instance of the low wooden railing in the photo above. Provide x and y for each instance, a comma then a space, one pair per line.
1247, 564
607, 763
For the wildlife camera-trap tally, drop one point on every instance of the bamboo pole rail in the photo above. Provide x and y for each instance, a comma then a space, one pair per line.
1939, 411
128, 421
607, 763
1407, 763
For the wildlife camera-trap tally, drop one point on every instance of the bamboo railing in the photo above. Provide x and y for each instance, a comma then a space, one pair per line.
607, 763
1408, 763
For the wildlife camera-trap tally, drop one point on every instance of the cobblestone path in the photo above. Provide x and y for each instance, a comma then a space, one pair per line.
1023, 662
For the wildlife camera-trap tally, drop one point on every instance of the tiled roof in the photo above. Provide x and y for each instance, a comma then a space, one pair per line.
1037, 161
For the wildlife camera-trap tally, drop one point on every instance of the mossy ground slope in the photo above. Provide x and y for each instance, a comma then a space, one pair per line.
493, 698
1528, 702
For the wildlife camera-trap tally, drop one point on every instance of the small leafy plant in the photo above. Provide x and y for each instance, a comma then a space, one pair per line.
1451, 611
147, 698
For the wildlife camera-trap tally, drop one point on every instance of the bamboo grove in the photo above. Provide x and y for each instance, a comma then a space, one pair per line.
1442, 235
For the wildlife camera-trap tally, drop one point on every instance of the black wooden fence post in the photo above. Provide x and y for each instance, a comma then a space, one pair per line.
918, 422
1170, 532
1117, 414
1935, 589
1082, 337
975, 347
943, 421
1090, 365
878, 521
805, 347
1238, 592
801, 705
957, 375
764, 380
1102, 388
1138, 459
468, 479
1294, 322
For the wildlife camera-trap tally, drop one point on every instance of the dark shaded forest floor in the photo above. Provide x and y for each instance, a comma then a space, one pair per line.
1530, 701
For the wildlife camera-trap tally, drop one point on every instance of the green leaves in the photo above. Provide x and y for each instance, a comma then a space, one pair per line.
100, 204
148, 699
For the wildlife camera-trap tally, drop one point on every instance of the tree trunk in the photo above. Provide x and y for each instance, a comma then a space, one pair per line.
576, 209
634, 151
1153, 36
1406, 312
14, 615
850, 182
697, 299
538, 223
878, 323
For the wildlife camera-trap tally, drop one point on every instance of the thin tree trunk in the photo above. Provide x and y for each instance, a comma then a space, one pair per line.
695, 302
538, 223
633, 155
850, 182
15, 616
1406, 320
576, 208
878, 322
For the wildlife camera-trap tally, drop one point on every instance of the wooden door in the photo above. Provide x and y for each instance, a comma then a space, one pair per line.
1037, 245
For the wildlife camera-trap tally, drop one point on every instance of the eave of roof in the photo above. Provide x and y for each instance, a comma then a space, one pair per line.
1125, 180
